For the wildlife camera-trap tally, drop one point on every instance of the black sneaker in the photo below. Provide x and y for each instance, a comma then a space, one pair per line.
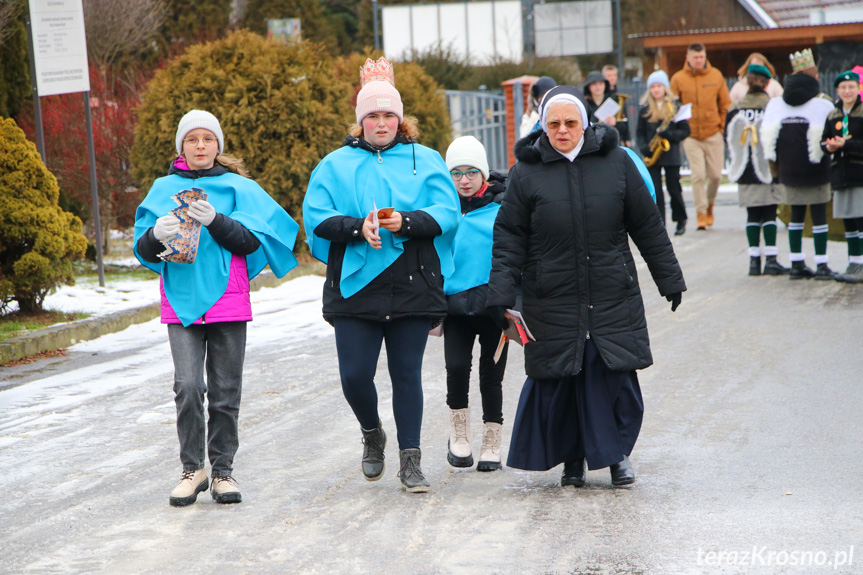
680, 229
774, 268
823, 272
799, 271
755, 265
410, 472
374, 443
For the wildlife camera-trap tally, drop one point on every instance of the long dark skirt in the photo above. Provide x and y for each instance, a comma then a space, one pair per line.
594, 415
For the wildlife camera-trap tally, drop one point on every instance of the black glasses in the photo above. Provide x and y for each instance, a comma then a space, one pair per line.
471, 175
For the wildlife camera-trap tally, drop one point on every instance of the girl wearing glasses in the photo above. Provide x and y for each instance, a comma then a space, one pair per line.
480, 193
206, 303
380, 212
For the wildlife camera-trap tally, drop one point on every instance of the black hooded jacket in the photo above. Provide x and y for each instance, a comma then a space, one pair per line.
473, 300
563, 230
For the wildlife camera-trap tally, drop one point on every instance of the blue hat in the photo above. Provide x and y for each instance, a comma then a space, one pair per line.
659, 77
848, 76
758, 69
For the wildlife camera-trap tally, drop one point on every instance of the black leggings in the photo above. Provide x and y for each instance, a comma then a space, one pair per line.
675, 192
817, 211
460, 331
762, 214
358, 345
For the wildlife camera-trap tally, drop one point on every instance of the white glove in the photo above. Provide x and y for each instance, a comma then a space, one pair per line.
166, 227
202, 211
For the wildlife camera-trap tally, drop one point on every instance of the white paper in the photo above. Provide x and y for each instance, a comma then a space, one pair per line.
684, 113
517, 315
608, 108
375, 220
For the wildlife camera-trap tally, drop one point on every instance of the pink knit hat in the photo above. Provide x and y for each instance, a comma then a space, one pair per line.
379, 93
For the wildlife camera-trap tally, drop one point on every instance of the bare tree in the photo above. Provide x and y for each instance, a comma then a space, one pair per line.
117, 28
8, 15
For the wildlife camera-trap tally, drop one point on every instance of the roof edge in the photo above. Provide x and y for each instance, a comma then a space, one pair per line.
756, 11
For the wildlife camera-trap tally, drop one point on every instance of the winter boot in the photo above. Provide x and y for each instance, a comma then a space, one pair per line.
709, 215
410, 472
458, 448
799, 271
225, 490
680, 229
573, 474
622, 473
853, 275
374, 442
489, 456
186, 491
774, 268
823, 272
702, 222
755, 265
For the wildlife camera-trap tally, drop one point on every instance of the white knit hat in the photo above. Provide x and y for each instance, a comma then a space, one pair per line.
467, 151
199, 119
379, 96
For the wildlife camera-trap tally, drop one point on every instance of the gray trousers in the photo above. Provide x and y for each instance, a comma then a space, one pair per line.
223, 347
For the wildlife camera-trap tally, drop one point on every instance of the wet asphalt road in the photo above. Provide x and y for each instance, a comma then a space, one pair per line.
751, 443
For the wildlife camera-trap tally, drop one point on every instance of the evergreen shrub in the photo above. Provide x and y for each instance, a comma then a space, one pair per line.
38, 240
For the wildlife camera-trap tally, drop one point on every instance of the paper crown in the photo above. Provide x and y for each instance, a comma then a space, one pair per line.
802, 60
381, 71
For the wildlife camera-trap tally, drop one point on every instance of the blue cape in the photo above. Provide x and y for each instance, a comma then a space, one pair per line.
471, 250
351, 182
192, 289
642, 169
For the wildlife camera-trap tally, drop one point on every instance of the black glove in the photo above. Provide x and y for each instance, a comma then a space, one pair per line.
497, 313
674, 298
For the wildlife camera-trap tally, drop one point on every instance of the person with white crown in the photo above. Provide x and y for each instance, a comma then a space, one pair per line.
791, 130
381, 213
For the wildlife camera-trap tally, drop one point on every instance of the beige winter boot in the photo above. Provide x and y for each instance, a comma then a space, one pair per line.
489, 455
226, 490
186, 491
458, 452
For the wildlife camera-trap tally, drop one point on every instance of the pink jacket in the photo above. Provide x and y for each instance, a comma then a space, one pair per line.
234, 305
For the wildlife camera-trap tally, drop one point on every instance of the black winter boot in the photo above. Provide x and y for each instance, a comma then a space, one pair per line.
622, 473
374, 442
774, 268
410, 472
823, 272
799, 271
573, 474
755, 265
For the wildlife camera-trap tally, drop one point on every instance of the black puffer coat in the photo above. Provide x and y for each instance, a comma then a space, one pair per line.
675, 133
564, 228
472, 301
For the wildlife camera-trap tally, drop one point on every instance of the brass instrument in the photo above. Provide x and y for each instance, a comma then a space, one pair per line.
658, 144
621, 100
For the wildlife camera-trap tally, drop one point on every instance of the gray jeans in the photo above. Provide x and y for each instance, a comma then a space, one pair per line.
223, 346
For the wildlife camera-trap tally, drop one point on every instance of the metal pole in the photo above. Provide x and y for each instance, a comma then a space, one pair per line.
375, 21
94, 188
37, 105
620, 71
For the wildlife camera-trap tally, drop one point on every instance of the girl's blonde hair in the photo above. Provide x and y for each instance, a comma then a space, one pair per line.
655, 112
409, 127
741, 72
232, 164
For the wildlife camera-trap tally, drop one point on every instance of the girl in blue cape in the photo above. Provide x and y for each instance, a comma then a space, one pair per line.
480, 193
381, 213
206, 302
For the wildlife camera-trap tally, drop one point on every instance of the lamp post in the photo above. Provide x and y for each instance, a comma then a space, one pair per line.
375, 24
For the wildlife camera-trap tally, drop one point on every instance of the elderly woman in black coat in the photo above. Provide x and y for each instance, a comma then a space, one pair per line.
575, 199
